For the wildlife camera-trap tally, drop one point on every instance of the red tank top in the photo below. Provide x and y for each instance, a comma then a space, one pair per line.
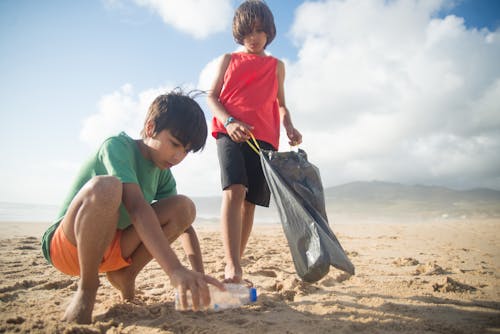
249, 93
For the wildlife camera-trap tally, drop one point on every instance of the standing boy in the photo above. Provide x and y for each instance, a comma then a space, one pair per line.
247, 95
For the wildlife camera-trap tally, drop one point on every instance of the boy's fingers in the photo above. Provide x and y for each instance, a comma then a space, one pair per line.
183, 298
215, 282
204, 293
195, 296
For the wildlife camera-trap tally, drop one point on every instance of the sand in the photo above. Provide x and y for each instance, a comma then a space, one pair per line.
440, 277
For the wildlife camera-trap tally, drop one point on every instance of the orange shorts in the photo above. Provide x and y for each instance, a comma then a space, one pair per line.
64, 255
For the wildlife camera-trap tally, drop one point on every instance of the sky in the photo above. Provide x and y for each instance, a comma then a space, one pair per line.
393, 90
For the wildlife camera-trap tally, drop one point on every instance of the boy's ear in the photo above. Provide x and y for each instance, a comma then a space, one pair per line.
150, 128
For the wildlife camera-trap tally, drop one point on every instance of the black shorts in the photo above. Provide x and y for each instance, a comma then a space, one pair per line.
239, 164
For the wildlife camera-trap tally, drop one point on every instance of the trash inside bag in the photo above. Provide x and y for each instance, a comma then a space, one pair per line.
298, 193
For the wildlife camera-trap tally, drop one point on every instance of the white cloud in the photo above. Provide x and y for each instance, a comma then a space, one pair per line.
384, 90
199, 18
208, 73
121, 110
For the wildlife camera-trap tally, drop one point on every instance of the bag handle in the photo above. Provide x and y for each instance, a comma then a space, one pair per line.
253, 144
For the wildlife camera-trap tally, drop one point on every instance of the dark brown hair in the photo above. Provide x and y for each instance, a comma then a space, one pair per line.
181, 115
246, 16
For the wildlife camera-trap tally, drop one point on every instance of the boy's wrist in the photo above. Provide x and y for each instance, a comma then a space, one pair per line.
228, 121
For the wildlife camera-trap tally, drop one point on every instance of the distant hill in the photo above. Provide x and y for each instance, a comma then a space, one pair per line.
385, 199
389, 191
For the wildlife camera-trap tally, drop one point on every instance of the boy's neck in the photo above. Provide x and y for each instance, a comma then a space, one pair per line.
143, 148
260, 54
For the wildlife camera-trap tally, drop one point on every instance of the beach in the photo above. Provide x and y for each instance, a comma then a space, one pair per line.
428, 277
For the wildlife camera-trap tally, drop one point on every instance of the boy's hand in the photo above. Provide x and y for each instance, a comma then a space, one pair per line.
184, 279
294, 136
238, 131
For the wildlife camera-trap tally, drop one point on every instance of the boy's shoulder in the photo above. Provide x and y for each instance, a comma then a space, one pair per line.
117, 145
120, 139
226, 58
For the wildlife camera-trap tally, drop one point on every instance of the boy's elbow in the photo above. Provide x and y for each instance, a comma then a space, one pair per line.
190, 230
212, 99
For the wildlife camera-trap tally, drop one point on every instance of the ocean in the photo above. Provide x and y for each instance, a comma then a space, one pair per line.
208, 209
24, 212
339, 211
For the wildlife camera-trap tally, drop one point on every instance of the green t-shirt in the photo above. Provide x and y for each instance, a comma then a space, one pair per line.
118, 156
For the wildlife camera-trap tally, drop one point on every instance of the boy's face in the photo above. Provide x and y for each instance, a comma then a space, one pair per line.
255, 41
165, 150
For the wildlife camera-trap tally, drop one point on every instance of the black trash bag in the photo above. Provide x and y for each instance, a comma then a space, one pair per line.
298, 193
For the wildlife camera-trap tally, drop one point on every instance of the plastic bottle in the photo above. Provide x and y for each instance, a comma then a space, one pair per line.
235, 296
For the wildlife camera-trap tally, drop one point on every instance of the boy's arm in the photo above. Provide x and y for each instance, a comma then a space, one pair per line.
149, 230
292, 133
213, 94
191, 245
237, 130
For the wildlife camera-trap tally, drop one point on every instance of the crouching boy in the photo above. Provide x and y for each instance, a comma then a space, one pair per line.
123, 210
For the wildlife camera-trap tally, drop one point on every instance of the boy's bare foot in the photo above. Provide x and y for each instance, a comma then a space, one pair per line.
232, 275
124, 282
81, 306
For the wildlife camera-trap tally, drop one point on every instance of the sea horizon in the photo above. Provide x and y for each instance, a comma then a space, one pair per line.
45, 213
210, 216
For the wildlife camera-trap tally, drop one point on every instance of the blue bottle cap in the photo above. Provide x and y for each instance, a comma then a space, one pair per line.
253, 295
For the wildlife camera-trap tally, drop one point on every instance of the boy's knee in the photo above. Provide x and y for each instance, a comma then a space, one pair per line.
187, 207
235, 192
105, 189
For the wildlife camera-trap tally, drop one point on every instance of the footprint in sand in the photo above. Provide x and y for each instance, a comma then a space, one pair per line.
405, 262
25, 284
337, 278
14, 264
289, 288
56, 285
328, 282
430, 269
29, 243
451, 285
15, 321
341, 277
284, 291
266, 273
8, 297
352, 253
8, 293
288, 295
24, 247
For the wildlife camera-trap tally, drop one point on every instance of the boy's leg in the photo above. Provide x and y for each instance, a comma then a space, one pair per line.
248, 214
234, 182
233, 198
176, 214
258, 191
90, 224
